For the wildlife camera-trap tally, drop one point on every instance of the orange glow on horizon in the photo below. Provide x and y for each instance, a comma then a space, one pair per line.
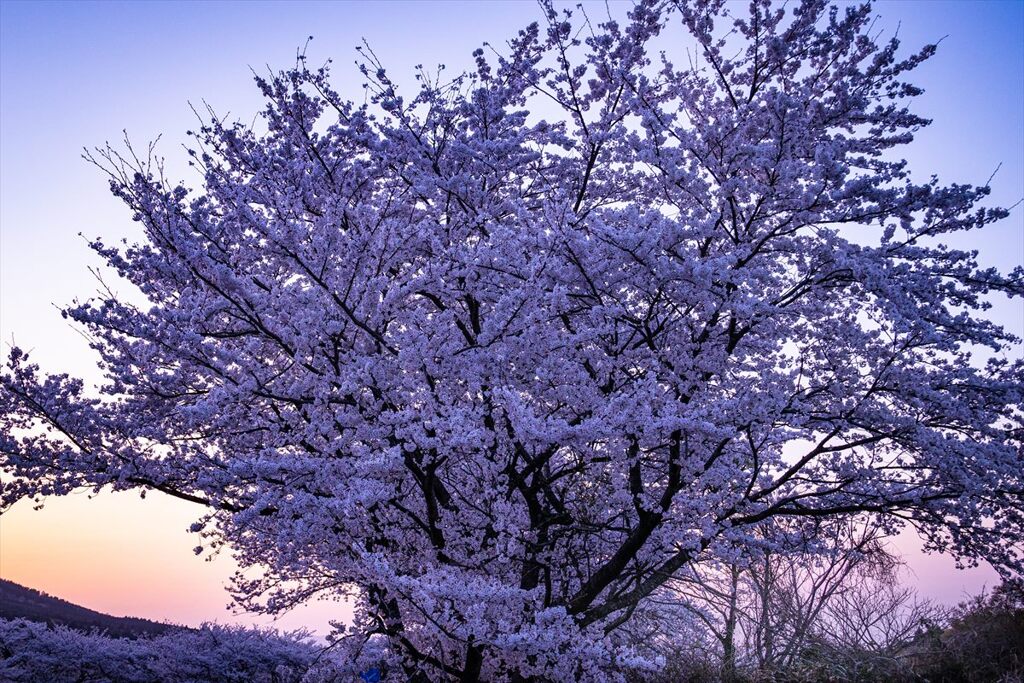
125, 556
122, 555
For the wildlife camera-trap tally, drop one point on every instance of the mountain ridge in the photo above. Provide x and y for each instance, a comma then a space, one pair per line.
21, 602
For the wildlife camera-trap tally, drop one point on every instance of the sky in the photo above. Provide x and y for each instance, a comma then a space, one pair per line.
77, 74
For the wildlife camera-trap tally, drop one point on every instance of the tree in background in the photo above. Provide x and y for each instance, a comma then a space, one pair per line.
501, 378
871, 631
839, 615
982, 641
31, 652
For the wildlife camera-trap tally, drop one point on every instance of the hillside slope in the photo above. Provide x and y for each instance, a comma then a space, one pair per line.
17, 601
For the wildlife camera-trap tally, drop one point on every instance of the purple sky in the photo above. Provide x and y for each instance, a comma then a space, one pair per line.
76, 74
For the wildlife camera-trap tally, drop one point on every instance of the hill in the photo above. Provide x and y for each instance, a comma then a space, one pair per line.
19, 602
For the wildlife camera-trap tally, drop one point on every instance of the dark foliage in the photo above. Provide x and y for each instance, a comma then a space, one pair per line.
19, 602
983, 642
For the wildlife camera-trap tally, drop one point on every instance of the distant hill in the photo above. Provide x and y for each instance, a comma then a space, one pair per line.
19, 602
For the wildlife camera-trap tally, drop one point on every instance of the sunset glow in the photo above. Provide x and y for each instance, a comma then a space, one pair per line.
75, 74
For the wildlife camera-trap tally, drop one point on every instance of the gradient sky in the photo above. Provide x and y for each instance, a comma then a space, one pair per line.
75, 74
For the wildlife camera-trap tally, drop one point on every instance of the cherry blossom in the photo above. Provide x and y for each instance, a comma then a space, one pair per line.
499, 357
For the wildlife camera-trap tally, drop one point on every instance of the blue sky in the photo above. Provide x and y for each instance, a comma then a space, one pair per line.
75, 74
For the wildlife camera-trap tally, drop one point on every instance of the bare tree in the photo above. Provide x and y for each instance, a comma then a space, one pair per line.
872, 629
767, 613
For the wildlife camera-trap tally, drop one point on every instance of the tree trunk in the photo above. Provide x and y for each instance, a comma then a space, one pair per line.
474, 662
729, 636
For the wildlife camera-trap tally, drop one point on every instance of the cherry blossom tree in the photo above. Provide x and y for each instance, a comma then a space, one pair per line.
498, 377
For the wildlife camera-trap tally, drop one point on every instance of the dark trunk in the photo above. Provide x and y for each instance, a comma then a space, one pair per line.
474, 662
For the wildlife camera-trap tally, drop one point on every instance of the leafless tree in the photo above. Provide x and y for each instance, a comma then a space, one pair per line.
782, 611
873, 629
